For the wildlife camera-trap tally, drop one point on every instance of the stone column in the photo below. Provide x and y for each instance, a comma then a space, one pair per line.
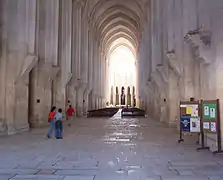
86, 99
80, 101
93, 105
101, 102
97, 102
103, 83
174, 76
133, 97
46, 71
95, 72
77, 79
77, 41
99, 75
111, 96
84, 50
3, 65
128, 96
85, 63
65, 37
102, 78
17, 60
212, 73
89, 106
75, 54
90, 66
117, 96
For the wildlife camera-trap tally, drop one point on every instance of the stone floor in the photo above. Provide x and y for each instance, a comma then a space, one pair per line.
107, 149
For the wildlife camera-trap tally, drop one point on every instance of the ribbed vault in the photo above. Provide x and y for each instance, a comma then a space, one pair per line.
122, 41
116, 23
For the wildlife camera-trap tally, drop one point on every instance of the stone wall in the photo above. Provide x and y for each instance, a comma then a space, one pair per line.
193, 52
45, 49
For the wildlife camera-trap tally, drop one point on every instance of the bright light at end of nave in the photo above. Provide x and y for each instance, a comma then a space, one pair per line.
122, 61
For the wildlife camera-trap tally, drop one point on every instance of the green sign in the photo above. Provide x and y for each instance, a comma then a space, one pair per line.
209, 111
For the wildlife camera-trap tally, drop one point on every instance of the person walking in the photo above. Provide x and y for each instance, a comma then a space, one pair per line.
59, 124
67, 106
51, 120
70, 114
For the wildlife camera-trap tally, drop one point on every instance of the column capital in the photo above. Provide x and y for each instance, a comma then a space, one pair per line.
28, 64
79, 3
83, 86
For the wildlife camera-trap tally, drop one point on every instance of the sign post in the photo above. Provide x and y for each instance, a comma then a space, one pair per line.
189, 118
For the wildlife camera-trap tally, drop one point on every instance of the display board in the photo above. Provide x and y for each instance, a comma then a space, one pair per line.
210, 116
210, 121
190, 117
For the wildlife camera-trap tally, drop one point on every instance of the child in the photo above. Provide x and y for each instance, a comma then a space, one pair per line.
59, 124
70, 114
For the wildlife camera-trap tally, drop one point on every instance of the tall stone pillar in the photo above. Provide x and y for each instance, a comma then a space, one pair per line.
98, 102
85, 69
64, 48
90, 101
128, 96
174, 77
95, 102
133, 96
111, 96
77, 44
117, 97
80, 101
93, 105
76, 40
100, 76
188, 73
3, 63
101, 102
86, 101
103, 76
84, 51
90, 66
17, 60
71, 94
95, 84
43, 96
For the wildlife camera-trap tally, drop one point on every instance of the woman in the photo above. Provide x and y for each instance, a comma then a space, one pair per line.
52, 122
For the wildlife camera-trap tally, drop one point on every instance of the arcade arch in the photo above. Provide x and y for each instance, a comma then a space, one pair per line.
116, 24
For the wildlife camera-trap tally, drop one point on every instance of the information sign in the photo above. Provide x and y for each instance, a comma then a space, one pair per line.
209, 111
190, 120
185, 123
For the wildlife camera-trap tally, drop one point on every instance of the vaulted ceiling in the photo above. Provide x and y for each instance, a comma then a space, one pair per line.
117, 22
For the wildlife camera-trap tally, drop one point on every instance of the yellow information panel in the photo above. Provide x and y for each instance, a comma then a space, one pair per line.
188, 110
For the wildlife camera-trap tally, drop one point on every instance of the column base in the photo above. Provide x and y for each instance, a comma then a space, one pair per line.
23, 129
11, 130
172, 124
79, 111
80, 101
39, 123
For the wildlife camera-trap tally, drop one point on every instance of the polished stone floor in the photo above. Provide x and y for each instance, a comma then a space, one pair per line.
107, 149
